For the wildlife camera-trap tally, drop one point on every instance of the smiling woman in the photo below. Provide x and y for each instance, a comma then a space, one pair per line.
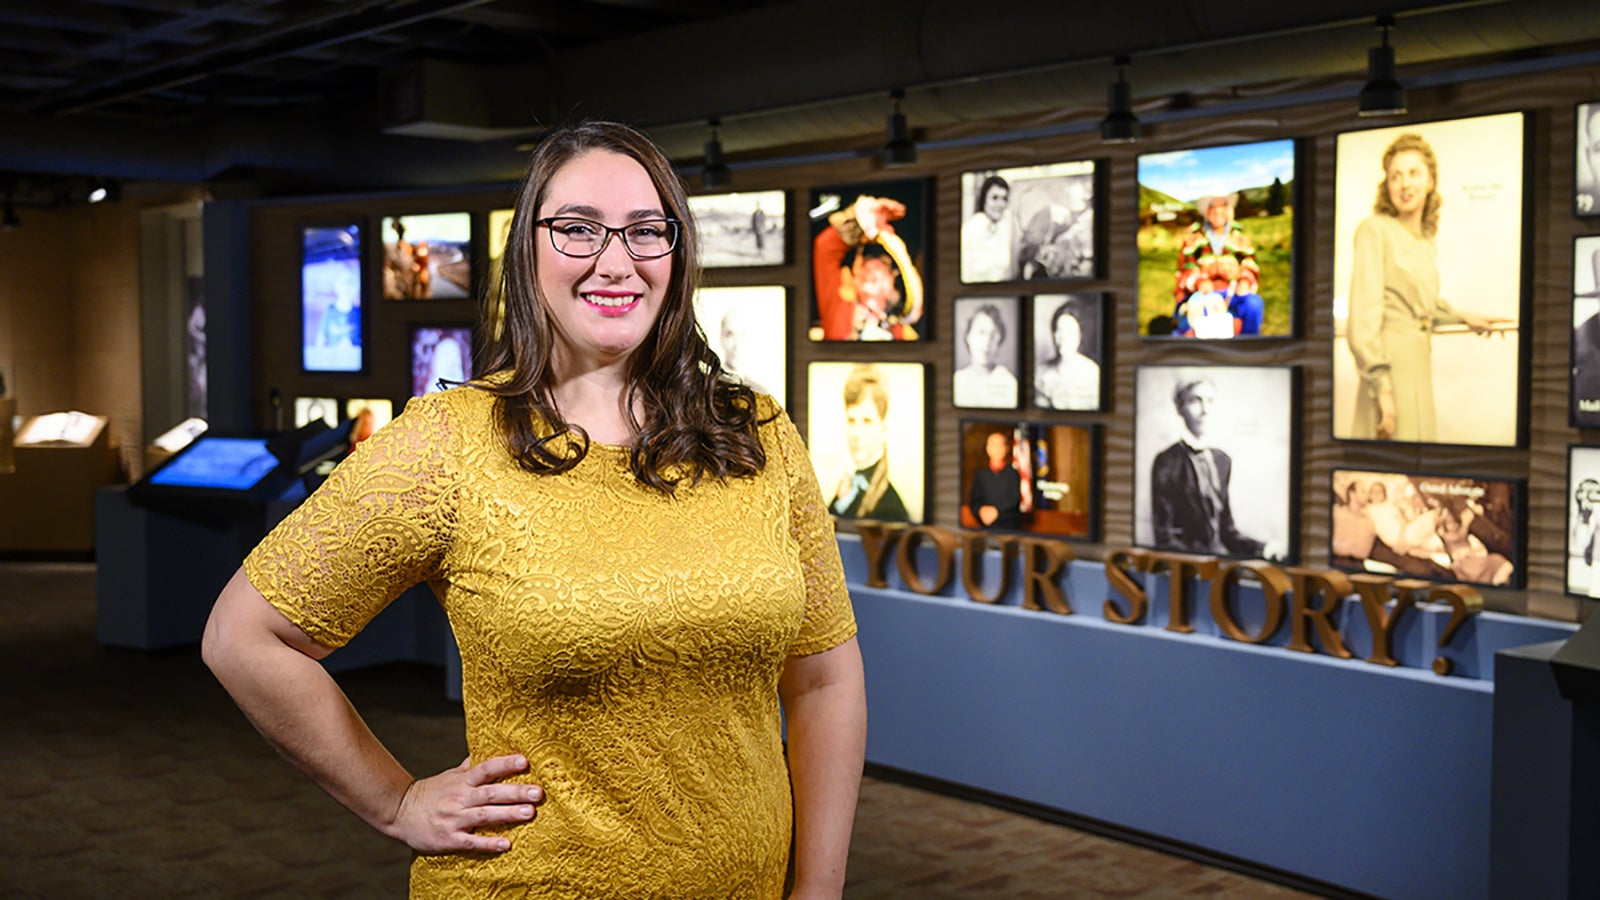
626, 661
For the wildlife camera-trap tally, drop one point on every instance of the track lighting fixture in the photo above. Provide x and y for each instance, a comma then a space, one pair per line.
716, 173
1382, 95
899, 150
11, 222
1120, 126
97, 191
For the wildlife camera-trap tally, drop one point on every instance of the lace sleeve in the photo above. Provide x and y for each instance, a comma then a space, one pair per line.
377, 526
829, 620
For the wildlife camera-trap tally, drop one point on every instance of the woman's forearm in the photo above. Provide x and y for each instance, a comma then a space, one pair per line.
297, 706
826, 713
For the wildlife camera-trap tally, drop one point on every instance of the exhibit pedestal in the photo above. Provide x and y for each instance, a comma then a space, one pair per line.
47, 506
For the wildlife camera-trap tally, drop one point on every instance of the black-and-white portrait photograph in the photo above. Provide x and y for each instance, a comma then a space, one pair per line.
1441, 527
316, 409
1068, 346
747, 228
866, 429
748, 329
1586, 171
1584, 398
1214, 460
1028, 223
988, 352
1583, 521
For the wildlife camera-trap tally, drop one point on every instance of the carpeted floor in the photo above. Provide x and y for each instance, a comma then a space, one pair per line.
127, 774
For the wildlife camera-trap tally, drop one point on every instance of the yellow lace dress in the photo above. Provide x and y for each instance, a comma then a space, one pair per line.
628, 643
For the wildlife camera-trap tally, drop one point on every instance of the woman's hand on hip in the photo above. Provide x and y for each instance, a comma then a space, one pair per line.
442, 814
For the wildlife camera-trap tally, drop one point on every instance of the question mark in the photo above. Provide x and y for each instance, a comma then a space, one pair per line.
1464, 601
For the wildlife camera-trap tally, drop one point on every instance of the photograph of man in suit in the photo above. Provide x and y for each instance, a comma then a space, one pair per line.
1190, 505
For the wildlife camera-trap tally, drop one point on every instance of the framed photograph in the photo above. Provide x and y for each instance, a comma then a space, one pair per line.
748, 329
1029, 478
1440, 527
1583, 521
330, 299
867, 429
1216, 241
1584, 397
1214, 460
988, 352
441, 357
427, 257
1586, 168
1068, 348
1429, 280
1029, 223
869, 261
311, 409
748, 228
370, 414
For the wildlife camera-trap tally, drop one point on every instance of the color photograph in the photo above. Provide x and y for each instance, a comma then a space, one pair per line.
1427, 279
1068, 347
441, 357
330, 299
1214, 460
1029, 223
1439, 527
1216, 242
749, 228
988, 352
427, 257
1028, 478
748, 329
867, 431
869, 262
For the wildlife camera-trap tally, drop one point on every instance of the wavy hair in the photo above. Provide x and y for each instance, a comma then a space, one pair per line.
695, 422
1430, 210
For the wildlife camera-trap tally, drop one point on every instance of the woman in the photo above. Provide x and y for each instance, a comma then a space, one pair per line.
637, 565
1394, 299
987, 244
1070, 379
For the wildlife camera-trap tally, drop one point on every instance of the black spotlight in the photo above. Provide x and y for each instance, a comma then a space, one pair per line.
1120, 126
899, 150
1382, 95
716, 173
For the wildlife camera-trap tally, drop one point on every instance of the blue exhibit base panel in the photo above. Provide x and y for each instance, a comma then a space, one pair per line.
1371, 778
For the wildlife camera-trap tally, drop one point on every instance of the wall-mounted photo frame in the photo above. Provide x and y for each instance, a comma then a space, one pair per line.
427, 257
1583, 521
742, 229
1583, 399
1216, 241
330, 299
1029, 223
1454, 528
1586, 165
1214, 460
870, 262
370, 414
988, 352
867, 430
748, 329
313, 409
1430, 280
1069, 346
1030, 478
441, 357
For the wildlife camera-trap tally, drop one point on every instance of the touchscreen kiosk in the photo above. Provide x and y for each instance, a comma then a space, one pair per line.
214, 469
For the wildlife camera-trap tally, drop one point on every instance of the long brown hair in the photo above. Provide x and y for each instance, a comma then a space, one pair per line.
1430, 209
695, 420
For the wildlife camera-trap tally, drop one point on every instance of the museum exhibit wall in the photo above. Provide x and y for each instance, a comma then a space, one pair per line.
1547, 98
69, 316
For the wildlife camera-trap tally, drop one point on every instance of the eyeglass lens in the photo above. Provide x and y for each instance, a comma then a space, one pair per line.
644, 240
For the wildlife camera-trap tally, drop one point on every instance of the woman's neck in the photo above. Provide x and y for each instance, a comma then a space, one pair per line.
595, 401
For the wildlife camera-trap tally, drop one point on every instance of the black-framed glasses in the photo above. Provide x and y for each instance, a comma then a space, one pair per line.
583, 238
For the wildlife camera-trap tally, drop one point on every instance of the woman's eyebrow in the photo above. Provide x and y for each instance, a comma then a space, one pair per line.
590, 212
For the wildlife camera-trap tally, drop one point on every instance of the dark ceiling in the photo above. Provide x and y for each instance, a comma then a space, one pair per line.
294, 96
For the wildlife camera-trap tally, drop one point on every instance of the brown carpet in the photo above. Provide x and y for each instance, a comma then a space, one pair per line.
127, 774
